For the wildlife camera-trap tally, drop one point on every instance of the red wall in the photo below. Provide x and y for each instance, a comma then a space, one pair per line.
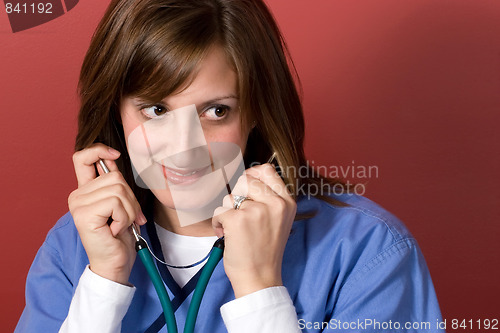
411, 87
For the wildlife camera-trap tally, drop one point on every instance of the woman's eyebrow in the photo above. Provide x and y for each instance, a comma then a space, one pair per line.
217, 99
137, 101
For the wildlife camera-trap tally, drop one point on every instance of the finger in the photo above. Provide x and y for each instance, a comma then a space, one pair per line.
84, 160
237, 221
241, 186
254, 189
257, 190
260, 193
121, 219
217, 219
268, 175
112, 178
101, 211
228, 201
120, 215
119, 191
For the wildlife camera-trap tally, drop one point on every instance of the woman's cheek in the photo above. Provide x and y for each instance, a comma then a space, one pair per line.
232, 134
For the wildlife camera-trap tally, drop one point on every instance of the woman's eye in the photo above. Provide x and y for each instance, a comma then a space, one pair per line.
154, 111
216, 112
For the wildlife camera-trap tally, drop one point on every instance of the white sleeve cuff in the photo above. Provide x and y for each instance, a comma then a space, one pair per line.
98, 305
267, 310
108, 290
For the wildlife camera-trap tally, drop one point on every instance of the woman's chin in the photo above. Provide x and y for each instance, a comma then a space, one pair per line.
187, 201
190, 209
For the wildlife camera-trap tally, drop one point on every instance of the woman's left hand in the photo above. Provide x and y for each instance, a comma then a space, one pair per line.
256, 233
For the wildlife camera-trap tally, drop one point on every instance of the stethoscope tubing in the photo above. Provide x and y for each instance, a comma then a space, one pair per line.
201, 286
206, 273
147, 260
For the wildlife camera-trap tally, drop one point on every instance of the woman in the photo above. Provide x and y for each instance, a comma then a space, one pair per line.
163, 83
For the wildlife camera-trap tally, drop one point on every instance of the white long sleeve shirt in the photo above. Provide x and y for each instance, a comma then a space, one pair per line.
99, 305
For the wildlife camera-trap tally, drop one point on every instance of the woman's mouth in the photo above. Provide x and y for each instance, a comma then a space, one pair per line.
184, 176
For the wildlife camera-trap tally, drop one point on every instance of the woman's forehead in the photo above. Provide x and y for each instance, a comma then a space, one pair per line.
213, 78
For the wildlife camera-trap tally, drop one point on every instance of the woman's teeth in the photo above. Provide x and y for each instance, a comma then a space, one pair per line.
182, 174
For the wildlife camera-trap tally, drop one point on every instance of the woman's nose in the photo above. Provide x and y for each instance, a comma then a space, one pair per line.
185, 145
191, 159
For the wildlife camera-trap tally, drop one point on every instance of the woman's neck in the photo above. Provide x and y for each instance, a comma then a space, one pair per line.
167, 218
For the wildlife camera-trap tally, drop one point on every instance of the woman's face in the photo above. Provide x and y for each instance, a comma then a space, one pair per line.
179, 145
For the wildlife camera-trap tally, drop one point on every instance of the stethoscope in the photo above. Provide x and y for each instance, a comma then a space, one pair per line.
215, 256
143, 252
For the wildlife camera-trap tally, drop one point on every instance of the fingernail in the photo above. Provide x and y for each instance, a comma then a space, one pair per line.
114, 151
141, 218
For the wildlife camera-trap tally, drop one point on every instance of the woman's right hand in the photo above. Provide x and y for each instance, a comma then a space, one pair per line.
110, 248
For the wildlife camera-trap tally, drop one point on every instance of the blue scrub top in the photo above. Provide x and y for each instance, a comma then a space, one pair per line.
347, 269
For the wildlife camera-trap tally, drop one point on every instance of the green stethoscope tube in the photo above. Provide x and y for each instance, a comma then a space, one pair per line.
147, 260
201, 286
206, 273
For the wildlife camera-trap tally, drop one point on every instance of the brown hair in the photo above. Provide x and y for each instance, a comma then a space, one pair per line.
151, 49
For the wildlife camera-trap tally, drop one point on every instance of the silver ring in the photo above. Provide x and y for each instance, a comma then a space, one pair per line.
238, 200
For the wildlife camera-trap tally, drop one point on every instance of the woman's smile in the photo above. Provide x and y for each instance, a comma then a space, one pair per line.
184, 176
